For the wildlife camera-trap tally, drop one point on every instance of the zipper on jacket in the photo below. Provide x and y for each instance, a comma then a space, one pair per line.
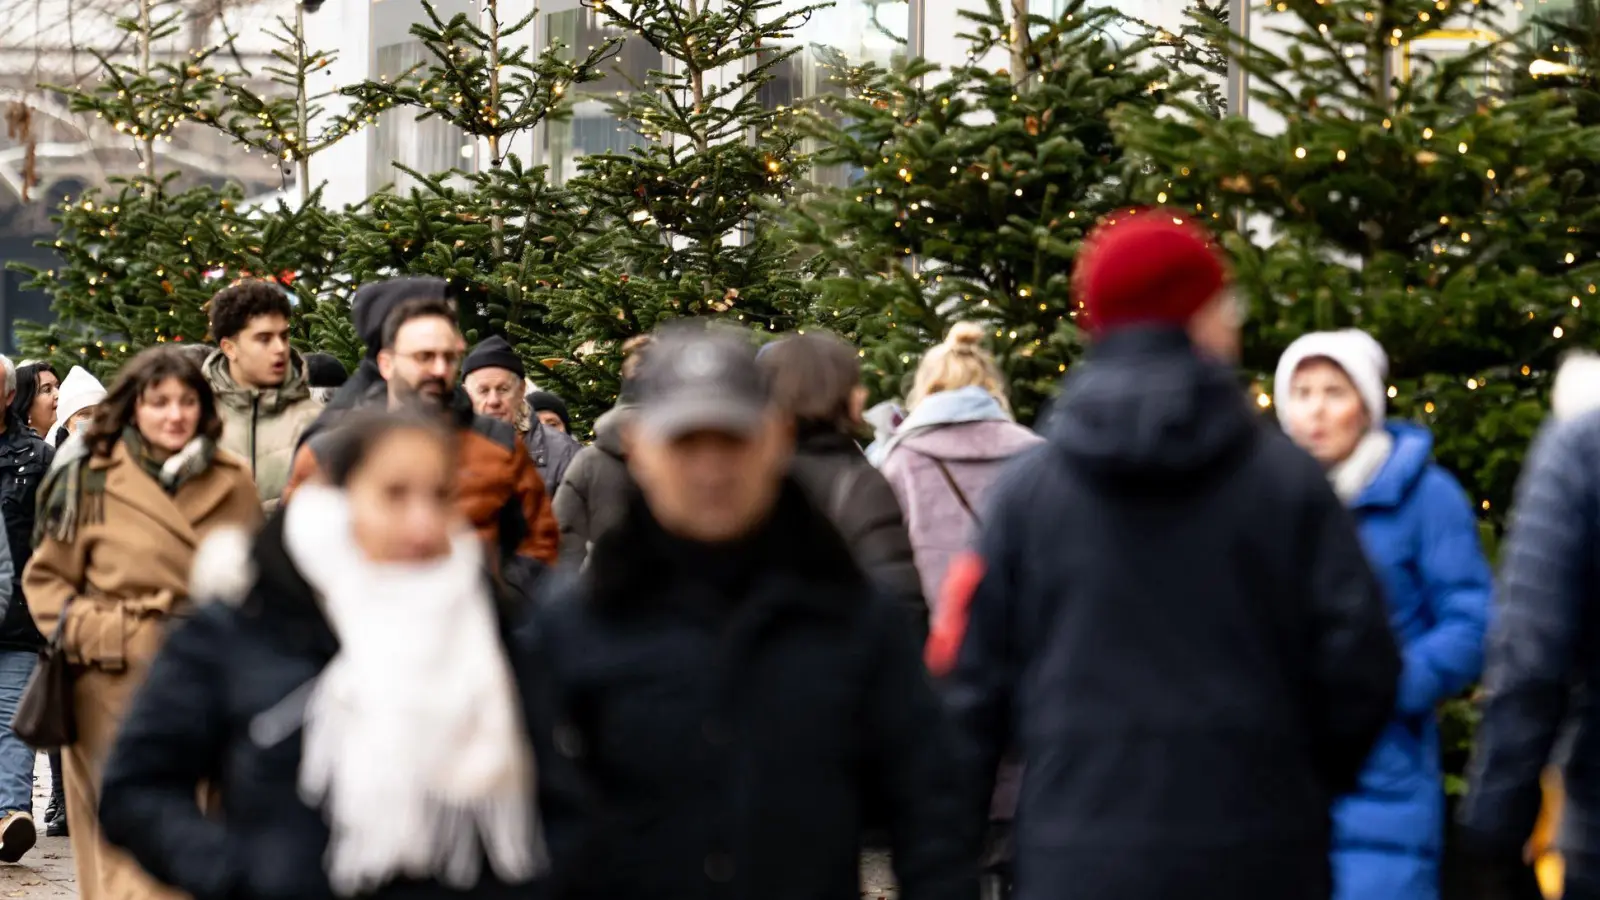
255, 414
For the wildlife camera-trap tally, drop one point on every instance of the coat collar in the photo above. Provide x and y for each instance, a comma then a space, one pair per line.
231, 394
803, 562
178, 513
1412, 453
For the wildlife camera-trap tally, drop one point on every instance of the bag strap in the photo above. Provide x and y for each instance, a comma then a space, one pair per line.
961, 496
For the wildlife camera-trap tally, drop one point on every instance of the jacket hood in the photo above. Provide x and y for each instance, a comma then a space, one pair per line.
273, 400
373, 302
1577, 386
1410, 458
1146, 406
608, 430
958, 407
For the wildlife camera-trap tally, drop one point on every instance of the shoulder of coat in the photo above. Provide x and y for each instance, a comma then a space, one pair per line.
230, 459
223, 569
503, 434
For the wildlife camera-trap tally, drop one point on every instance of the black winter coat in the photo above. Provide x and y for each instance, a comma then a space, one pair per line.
734, 710
861, 504
24, 460
1178, 631
191, 723
594, 491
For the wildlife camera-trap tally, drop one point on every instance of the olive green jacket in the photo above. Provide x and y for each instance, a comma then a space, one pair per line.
263, 427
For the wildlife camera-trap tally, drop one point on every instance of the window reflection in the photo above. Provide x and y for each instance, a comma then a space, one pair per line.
429, 145
863, 31
593, 128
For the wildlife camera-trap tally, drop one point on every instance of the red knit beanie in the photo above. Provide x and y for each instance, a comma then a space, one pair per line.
1146, 267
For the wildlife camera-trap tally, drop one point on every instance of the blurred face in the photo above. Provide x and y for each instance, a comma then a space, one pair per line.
79, 418
400, 503
1325, 414
709, 486
421, 367
258, 356
42, 416
167, 415
554, 421
495, 393
1215, 328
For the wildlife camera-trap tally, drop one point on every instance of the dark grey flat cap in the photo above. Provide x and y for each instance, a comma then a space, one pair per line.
701, 379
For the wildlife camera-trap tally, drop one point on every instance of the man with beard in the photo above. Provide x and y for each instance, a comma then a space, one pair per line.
499, 490
259, 382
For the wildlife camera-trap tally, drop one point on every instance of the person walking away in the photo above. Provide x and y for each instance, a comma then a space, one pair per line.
259, 382
79, 394
1421, 537
24, 459
35, 399
735, 685
815, 378
1168, 613
497, 489
1541, 669
366, 596
551, 410
494, 376
951, 448
120, 516
594, 492
325, 374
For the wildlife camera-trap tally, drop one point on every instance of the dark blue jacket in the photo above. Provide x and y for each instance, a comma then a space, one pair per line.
1422, 539
1179, 633
1543, 644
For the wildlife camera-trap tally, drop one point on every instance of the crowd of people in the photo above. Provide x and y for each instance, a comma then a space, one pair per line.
400, 634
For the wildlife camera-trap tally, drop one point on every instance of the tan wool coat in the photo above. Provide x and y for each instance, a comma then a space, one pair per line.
120, 580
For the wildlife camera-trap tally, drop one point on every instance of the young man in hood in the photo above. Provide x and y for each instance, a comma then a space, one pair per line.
498, 489
736, 689
1168, 615
259, 382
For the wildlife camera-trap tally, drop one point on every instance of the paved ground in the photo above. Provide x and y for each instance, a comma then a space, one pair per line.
46, 872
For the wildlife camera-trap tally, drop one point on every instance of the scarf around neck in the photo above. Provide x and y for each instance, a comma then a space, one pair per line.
414, 745
73, 492
1352, 476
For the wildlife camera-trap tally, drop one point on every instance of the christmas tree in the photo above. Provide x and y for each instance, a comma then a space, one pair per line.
1404, 194
140, 261
503, 235
974, 192
1563, 59
686, 232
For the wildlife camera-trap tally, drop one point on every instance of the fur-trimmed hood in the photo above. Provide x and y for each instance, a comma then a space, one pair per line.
1577, 386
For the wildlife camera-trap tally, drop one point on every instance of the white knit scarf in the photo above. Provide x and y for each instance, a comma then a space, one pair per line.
414, 744
1351, 476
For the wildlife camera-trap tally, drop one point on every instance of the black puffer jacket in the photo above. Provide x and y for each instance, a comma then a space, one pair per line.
594, 491
736, 707
861, 504
192, 723
24, 460
1177, 629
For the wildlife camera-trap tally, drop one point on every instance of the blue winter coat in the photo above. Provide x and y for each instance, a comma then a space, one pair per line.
1422, 540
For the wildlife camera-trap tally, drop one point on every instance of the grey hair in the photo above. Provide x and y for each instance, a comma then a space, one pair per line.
11, 376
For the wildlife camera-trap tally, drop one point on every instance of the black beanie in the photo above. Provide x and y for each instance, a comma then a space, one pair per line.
373, 303
323, 370
544, 401
493, 353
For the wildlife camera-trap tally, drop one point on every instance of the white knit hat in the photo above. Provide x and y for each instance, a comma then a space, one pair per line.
1356, 352
78, 391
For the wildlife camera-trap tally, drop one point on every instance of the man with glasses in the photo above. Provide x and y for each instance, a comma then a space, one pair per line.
499, 490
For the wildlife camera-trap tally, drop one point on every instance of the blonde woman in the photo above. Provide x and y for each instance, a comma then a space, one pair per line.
942, 460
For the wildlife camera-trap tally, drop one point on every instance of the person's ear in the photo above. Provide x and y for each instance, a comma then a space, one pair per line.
858, 403
229, 348
386, 364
